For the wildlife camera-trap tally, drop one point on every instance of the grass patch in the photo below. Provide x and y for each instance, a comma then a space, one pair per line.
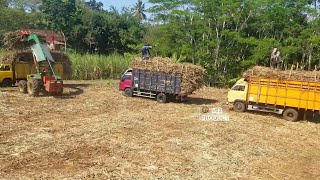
90, 66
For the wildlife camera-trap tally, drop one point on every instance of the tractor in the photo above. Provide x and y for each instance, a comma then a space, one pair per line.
44, 79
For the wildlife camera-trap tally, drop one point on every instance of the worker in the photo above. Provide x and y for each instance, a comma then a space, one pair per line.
273, 57
278, 60
145, 52
51, 43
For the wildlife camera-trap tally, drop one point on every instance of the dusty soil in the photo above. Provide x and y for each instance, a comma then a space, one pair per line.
93, 131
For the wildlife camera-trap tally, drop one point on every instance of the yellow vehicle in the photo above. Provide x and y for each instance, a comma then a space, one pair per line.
287, 97
13, 73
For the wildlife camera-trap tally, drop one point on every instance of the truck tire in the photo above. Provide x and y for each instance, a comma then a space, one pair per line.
128, 92
23, 86
291, 115
6, 83
239, 106
33, 87
162, 98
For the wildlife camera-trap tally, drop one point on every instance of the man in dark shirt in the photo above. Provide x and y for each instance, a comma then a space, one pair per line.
145, 52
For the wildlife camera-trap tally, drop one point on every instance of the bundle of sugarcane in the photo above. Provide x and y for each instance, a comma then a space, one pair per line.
192, 75
11, 57
266, 72
15, 40
67, 64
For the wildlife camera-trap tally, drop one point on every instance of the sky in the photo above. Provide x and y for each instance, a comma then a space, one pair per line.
120, 3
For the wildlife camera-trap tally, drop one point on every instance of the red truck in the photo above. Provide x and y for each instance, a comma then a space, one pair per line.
161, 86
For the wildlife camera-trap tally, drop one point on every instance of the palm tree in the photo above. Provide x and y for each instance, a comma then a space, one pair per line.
139, 10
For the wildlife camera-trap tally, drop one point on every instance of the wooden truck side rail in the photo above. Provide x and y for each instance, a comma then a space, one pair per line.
284, 93
156, 82
153, 84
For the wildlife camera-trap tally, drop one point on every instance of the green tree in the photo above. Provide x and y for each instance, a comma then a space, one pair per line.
139, 11
61, 15
228, 36
94, 5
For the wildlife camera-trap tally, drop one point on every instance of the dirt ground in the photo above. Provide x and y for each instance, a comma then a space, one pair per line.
93, 131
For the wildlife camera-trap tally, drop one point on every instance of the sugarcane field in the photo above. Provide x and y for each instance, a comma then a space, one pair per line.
160, 89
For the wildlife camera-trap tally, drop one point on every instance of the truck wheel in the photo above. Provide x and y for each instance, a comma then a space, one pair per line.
290, 115
128, 92
23, 86
239, 106
33, 87
162, 98
6, 83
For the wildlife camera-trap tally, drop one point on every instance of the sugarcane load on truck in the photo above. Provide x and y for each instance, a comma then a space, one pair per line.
43, 78
288, 93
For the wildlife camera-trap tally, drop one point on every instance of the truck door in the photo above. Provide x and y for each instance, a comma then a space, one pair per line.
126, 80
5, 72
237, 92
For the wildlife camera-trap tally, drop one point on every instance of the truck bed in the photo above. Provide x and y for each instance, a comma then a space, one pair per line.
23, 69
287, 93
144, 80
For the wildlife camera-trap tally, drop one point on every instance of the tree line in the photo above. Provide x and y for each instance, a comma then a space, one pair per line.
86, 24
225, 36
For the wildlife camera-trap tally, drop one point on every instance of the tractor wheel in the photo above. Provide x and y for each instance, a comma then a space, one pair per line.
6, 83
162, 98
239, 106
290, 115
33, 87
128, 92
23, 86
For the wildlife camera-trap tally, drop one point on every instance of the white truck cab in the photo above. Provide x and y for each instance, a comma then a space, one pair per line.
238, 92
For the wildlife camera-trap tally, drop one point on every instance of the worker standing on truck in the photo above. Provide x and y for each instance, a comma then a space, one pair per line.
51, 43
278, 60
273, 57
146, 52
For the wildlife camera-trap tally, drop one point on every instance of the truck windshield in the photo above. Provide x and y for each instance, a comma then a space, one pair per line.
5, 68
238, 88
126, 77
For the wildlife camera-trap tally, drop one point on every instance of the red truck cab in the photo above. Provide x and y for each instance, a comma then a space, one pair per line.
126, 83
